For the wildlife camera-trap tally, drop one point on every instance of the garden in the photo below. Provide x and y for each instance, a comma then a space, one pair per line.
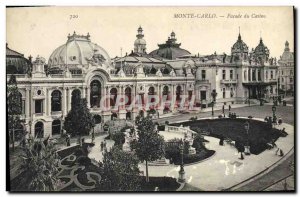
260, 134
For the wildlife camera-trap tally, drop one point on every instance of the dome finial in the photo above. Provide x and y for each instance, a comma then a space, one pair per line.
239, 37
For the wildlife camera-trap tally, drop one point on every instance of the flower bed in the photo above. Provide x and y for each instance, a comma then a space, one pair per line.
260, 133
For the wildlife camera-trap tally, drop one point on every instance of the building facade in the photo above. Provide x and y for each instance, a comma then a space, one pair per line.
125, 87
286, 71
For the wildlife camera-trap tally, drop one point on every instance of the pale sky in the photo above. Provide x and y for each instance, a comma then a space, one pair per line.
40, 30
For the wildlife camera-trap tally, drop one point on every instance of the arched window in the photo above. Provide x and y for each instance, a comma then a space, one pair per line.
95, 96
39, 130
151, 99
178, 93
113, 96
128, 95
56, 127
166, 92
56, 100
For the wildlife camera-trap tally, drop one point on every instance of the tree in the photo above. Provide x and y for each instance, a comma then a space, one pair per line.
14, 111
40, 164
79, 120
149, 145
120, 171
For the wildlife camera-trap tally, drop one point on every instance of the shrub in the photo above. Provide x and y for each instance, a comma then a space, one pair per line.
198, 143
250, 117
167, 122
118, 137
220, 116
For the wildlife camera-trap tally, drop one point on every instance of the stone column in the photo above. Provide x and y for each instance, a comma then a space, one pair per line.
64, 103
49, 102
27, 104
83, 92
173, 97
69, 99
256, 73
88, 97
107, 98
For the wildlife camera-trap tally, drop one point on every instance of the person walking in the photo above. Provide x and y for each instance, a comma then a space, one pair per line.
101, 146
93, 137
229, 107
223, 109
68, 140
104, 144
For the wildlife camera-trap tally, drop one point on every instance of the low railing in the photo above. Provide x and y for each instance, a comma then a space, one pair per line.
228, 81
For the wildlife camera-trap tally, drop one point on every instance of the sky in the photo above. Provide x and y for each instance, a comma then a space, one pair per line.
40, 30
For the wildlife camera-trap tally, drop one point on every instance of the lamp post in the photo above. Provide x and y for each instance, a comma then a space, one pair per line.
274, 114
247, 147
181, 178
214, 95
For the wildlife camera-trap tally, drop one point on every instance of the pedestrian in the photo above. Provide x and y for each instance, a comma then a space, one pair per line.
101, 146
281, 153
223, 109
104, 144
229, 107
93, 136
68, 140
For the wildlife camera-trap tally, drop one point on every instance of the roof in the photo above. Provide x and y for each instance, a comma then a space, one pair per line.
16, 63
170, 53
10, 52
78, 50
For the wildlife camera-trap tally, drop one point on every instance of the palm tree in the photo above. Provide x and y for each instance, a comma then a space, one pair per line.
40, 164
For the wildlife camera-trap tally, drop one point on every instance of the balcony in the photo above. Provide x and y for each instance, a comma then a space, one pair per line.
202, 81
228, 81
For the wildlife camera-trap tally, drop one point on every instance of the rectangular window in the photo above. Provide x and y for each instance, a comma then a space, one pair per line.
38, 106
291, 80
259, 75
271, 74
224, 93
203, 95
253, 75
223, 74
231, 74
203, 74
291, 72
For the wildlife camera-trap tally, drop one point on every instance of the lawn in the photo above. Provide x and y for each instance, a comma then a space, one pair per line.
260, 133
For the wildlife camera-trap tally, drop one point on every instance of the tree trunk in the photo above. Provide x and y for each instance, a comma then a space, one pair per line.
147, 176
13, 139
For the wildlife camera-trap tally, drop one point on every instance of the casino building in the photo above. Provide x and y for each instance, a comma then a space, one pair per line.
81, 67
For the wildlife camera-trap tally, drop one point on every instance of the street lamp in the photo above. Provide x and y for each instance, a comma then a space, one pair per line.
247, 147
181, 178
214, 95
274, 114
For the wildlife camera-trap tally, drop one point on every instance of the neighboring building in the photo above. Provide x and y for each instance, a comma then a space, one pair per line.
80, 67
16, 63
286, 71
